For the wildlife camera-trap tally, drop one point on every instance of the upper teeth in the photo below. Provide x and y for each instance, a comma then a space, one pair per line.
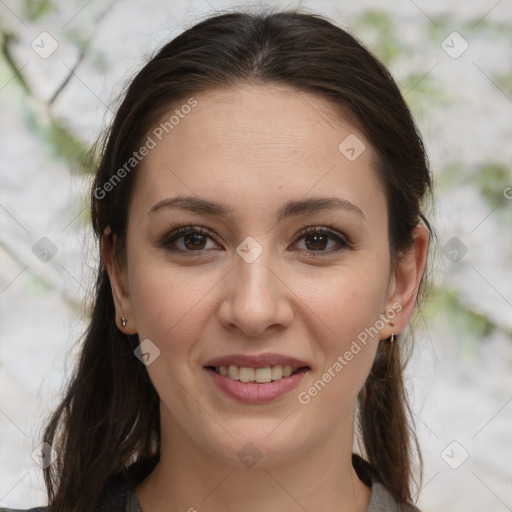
260, 375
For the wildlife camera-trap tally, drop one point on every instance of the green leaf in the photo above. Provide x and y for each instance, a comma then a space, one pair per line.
492, 178
380, 26
34, 10
446, 306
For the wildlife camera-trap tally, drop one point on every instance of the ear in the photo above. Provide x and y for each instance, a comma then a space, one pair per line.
118, 282
405, 282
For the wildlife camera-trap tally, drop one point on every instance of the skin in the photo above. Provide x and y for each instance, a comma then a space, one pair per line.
255, 148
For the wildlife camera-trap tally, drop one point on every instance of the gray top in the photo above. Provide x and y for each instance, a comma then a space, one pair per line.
381, 500
121, 496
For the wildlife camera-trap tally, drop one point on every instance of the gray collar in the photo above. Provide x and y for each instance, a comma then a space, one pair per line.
381, 500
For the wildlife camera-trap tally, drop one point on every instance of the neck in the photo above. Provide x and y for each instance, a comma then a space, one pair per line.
188, 478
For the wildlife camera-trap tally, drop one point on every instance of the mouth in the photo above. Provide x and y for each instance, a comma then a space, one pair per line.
260, 390
257, 375
256, 379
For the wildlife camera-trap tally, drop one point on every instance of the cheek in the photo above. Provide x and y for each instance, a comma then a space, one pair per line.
164, 303
347, 300
348, 304
170, 304
171, 309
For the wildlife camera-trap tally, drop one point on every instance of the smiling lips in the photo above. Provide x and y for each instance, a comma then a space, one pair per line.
259, 361
256, 378
261, 369
259, 375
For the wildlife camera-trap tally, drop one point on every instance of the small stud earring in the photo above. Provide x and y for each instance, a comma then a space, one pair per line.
123, 321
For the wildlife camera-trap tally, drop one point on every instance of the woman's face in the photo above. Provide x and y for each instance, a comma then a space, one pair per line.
274, 162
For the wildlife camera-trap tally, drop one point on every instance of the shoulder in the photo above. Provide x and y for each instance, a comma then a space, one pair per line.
113, 499
381, 499
37, 509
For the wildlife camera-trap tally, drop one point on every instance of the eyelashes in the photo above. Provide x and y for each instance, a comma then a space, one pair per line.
183, 232
325, 232
191, 235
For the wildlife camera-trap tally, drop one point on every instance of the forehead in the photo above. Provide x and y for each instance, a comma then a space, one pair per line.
255, 141
256, 118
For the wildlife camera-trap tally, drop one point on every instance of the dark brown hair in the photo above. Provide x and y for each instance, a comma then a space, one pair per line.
109, 417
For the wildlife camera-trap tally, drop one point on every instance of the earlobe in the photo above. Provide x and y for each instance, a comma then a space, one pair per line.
405, 284
118, 283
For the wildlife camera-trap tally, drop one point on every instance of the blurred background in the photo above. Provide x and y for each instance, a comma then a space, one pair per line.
62, 66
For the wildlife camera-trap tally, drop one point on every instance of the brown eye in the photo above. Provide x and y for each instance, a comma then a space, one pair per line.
188, 239
317, 240
194, 241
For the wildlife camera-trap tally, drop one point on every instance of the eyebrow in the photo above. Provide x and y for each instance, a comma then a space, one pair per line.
289, 209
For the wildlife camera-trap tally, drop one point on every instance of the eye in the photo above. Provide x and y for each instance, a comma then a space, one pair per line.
316, 239
195, 239
188, 239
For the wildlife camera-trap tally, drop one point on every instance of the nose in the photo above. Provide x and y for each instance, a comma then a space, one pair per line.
256, 298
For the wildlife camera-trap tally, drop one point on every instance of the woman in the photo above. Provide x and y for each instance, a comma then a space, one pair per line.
258, 209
